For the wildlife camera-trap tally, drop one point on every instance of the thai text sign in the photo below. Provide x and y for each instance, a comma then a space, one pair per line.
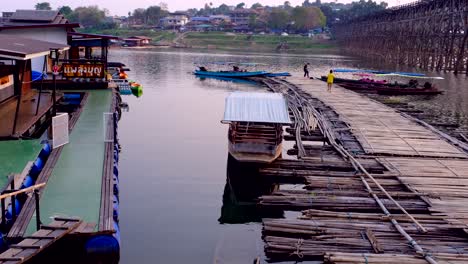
83, 70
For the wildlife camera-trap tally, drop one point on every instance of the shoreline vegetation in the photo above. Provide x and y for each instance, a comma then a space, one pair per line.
228, 41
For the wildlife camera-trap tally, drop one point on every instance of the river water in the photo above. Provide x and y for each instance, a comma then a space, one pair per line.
173, 163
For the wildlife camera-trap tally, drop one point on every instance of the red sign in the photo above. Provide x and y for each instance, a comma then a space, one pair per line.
55, 70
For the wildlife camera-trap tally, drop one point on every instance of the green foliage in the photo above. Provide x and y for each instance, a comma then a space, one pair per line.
43, 6
240, 5
154, 14
278, 18
66, 11
89, 16
306, 18
345, 12
256, 5
149, 16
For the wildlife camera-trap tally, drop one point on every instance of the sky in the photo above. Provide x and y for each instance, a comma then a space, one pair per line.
121, 7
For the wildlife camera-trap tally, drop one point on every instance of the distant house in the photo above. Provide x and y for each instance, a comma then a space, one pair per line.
176, 20
199, 20
137, 41
44, 25
241, 18
217, 19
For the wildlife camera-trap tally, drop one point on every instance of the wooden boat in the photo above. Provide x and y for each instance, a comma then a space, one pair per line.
230, 74
255, 125
255, 142
351, 81
387, 90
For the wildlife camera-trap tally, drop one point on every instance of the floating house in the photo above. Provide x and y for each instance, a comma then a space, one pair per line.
45, 138
44, 25
135, 41
255, 125
22, 109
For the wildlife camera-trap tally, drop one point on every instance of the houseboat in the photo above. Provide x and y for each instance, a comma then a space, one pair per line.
255, 125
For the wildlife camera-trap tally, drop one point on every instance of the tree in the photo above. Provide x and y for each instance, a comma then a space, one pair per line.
240, 5
256, 5
278, 18
163, 6
90, 16
306, 18
139, 14
43, 6
154, 14
65, 11
361, 8
222, 9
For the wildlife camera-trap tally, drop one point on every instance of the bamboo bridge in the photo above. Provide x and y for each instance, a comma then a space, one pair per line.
430, 34
378, 186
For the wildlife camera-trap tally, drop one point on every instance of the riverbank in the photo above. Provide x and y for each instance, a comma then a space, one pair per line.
229, 41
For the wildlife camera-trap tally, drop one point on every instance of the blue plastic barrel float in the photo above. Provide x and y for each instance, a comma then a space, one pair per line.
45, 151
36, 76
103, 246
27, 182
9, 212
36, 168
115, 209
3, 244
116, 171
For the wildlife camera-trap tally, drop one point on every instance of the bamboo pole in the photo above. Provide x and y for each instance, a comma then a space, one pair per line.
25, 190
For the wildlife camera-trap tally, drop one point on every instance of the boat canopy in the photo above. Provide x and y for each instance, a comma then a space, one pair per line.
256, 107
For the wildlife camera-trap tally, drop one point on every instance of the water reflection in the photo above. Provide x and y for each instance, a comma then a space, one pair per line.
243, 186
177, 185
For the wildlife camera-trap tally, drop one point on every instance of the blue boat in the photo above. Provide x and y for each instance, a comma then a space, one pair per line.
231, 74
278, 74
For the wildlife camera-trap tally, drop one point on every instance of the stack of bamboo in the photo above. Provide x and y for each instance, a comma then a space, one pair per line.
318, 232
354, 258
346, 199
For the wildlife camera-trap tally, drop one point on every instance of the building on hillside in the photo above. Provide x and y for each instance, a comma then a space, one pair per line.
43, 25
199, 20
134, 41
218, 19
241, 18
175, 20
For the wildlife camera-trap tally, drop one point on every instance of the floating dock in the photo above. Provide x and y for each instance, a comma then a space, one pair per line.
378, 185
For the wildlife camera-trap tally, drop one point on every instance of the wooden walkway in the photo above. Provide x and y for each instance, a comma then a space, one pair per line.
380, 129
40, 240
344, 217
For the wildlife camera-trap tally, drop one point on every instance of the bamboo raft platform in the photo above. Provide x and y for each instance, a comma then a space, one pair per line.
378, 186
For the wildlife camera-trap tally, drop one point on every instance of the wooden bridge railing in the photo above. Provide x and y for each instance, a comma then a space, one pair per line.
431, 34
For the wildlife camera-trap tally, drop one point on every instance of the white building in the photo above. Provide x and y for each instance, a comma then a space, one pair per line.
174, 21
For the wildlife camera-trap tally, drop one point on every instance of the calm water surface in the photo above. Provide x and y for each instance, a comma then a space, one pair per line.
174, 157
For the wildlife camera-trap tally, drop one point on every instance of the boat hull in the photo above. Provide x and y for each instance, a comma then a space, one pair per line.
231, 74
255, 157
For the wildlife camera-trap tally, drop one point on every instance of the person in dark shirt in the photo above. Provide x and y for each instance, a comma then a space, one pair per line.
306, 70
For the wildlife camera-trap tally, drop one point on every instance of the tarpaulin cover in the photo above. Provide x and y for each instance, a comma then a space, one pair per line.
256, 107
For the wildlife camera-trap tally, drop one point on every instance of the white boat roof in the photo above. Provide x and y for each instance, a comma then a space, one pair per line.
256, 107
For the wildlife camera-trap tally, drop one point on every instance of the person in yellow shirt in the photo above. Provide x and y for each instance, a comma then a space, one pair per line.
330, 78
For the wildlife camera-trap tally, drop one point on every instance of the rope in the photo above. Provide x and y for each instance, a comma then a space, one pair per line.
298, 252
365, 258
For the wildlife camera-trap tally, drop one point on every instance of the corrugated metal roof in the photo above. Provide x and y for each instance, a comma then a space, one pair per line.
256, 107
35, 15
19, 48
